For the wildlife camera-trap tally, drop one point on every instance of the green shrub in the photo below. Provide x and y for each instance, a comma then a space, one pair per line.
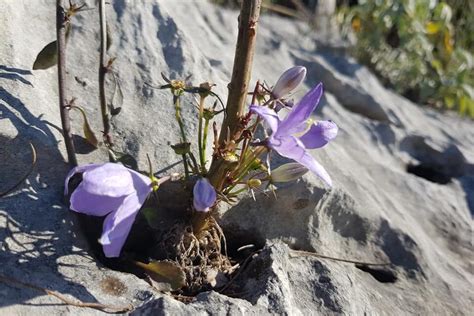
419, 47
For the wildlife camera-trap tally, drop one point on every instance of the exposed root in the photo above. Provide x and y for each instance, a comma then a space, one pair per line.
199, 254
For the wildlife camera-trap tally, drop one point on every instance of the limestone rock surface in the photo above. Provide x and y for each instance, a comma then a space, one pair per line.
403, 174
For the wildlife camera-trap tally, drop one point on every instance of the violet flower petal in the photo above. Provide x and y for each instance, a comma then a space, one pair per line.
291, 147
114, 190
269, 115
87, 203
111, 179
75, 170
204, 195
300, 112
309, 162
319, 134
117, 225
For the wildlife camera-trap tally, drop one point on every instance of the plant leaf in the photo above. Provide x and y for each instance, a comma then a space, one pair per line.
167, 275
88, 132
126, 159
47, 57
115, 104
108, 37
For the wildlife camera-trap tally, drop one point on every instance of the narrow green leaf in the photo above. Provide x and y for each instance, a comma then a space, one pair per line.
47, 57
109, 36
167, 275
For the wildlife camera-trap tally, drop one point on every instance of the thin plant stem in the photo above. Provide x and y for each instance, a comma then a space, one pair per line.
103, 65
177, 107
185, 164
246, 141
194, 164
204, 143
202, 158
238, 87
245, 166
61, 26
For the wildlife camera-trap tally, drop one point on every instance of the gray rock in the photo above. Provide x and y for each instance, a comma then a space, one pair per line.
403, 174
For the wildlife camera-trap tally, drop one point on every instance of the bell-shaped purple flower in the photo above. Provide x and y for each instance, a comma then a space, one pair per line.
204, 195
286, 138
114, 191
289, 81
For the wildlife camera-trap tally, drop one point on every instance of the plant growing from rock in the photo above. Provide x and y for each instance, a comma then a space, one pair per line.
180, 244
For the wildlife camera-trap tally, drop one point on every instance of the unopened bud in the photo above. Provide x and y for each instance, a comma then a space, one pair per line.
289, 81
254, 183
208, 114
230, 157
205, 88
288, 172
155, 183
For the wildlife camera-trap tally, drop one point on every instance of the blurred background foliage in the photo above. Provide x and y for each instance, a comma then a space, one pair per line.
423, 49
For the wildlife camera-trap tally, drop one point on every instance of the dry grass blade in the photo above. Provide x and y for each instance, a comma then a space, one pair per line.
299, 253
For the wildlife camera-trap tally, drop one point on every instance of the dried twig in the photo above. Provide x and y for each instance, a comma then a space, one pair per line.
103, 68
72, 302
241, 72
238, 86
61, 23
32, 166
299, 253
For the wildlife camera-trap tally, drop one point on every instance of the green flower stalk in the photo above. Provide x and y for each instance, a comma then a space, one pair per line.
177, 106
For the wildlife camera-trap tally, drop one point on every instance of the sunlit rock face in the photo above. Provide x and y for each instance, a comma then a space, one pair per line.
403, 175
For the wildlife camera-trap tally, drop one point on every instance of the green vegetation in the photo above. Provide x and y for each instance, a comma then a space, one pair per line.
420, 48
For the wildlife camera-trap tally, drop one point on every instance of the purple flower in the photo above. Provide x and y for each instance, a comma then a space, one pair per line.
286, 139
289, 81
113, 190
204, 195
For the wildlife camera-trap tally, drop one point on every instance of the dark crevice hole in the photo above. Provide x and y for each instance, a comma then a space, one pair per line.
382, 275
429, 172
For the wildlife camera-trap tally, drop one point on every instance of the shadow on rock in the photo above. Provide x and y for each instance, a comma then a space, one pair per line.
37, 233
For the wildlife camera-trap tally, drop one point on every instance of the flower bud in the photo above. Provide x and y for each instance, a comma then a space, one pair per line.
230, 157
254, 183
289, 81
208, 114
288, 172
205, 89
204, 195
